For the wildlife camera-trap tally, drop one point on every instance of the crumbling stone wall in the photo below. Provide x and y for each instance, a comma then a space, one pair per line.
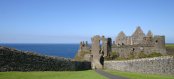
125, 51
106, 46
137, 36
15, 60
84, 52
139, 42
156, 65
84, 46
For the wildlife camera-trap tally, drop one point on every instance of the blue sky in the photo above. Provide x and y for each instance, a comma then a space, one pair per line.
71, 21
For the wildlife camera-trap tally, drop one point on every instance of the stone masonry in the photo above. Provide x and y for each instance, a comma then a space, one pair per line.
138, 42
156, 65
16, 60
96, 54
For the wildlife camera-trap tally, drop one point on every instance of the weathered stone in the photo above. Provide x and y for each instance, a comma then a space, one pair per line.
149, 34
96, 55
104, 48
138, 42
120, 39
156, 65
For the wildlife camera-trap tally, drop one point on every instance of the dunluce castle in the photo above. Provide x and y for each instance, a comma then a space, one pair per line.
126, 53
123, 46
136, 53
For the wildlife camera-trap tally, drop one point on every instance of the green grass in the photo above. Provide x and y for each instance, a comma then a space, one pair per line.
170, 45
89, 74
131, 75
170, 49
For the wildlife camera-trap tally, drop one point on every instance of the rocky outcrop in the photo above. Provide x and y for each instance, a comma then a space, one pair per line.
16, 60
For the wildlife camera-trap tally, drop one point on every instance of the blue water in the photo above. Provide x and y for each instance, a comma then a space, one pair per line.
61, 50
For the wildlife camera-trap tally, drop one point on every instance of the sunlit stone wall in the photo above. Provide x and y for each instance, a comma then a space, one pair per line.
156, 65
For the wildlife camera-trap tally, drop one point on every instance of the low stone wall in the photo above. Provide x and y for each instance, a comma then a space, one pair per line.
156, 65
15, 60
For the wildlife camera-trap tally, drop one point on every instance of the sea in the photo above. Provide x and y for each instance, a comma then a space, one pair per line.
61, 50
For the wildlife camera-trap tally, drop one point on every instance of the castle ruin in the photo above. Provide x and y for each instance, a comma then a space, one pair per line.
139, 42
124, 46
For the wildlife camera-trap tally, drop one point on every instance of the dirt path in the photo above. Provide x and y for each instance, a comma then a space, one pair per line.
108, 75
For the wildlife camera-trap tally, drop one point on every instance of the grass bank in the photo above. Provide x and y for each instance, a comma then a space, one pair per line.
170, 49
89, 74
131, 75
170, 45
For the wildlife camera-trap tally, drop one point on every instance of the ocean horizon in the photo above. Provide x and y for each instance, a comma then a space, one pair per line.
60, 50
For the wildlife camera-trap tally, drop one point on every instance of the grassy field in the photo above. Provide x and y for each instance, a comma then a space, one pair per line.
170, 45
170, 49
89, 74
131, 75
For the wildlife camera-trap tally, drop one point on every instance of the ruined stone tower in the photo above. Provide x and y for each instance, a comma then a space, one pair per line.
96, 54
159, 44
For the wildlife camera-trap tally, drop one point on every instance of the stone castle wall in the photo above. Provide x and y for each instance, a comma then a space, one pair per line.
156, 65
15, 60
139, 42
125, 51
